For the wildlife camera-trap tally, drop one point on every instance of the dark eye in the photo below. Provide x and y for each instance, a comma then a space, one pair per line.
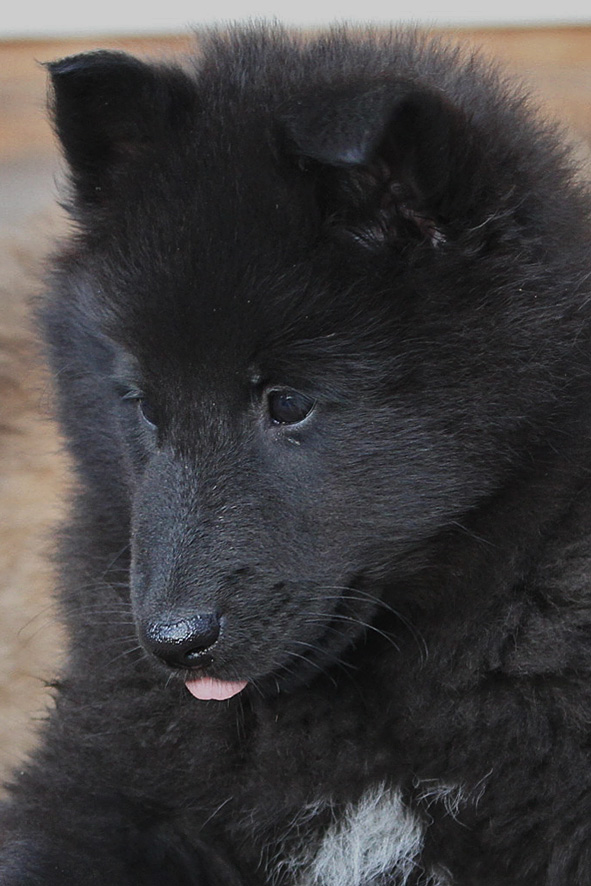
144, 406
289, 407
147, 412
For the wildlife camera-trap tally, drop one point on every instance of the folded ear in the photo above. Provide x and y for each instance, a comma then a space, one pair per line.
108, 105
390, 160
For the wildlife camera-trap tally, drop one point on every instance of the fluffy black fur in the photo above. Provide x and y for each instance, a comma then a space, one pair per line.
321, 344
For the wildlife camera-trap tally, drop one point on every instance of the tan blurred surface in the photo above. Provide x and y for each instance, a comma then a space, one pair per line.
556, 63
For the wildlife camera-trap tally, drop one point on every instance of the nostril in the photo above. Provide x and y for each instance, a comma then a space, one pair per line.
181, 643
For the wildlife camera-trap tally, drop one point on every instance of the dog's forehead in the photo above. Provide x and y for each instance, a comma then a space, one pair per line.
239, 326
215, 216
228, 270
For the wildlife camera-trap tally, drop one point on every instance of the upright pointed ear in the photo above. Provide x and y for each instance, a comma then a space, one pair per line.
391, 161
106, 107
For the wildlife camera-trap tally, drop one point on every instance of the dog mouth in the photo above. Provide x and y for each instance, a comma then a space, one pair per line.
300, 663
289, 675
285, 678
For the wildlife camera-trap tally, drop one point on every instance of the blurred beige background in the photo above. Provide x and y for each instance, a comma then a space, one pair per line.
555, 61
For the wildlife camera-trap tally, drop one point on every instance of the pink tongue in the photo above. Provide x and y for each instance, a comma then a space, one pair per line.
208, 688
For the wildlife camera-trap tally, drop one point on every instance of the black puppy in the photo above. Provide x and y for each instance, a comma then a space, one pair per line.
321, 344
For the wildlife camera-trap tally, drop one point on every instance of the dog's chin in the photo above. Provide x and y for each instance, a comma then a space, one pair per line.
293, 674
286, 678
295, 670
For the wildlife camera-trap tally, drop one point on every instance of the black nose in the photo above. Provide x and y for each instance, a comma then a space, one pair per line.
181, 643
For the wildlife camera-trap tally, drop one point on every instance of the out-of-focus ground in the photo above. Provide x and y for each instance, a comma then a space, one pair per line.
556, 63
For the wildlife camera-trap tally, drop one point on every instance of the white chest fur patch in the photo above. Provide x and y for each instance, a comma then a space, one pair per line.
378, 840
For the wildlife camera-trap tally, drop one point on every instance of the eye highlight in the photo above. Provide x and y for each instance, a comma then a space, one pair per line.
288, 407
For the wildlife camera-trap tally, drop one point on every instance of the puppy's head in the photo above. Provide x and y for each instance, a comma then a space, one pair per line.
286, 314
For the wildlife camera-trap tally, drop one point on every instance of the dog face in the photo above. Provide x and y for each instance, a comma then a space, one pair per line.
289, 309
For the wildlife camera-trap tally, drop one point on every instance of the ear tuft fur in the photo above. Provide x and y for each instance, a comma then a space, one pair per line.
387, 158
